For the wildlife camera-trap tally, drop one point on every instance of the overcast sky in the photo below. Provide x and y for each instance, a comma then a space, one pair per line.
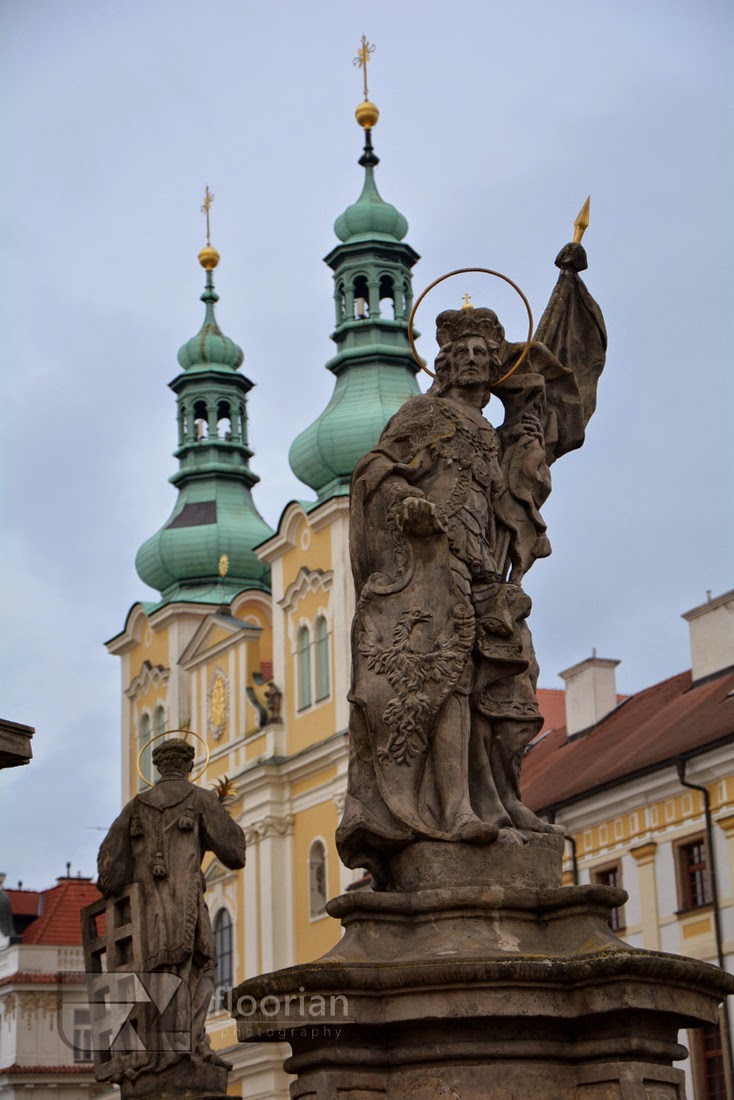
496, 121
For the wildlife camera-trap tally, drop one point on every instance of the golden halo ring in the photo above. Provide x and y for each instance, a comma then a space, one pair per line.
167, 733
466, 271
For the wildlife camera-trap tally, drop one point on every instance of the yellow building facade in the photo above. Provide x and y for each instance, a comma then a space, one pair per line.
247, 648
644, 789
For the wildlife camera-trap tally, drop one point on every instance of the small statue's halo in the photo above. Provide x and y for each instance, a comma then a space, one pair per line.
167, 733
466, 271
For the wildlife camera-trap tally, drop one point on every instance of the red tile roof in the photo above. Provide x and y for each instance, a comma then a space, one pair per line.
552, 703
24, 903
58, 909
669, 719
15, 1068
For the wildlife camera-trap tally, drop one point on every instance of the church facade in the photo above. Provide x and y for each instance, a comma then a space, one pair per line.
248, 645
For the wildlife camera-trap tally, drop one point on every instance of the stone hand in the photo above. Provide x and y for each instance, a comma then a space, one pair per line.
531, 426
417, 516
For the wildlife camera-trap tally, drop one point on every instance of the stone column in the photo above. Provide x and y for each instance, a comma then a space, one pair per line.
645, 857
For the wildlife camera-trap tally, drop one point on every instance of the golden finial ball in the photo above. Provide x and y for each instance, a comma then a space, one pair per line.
367, 114
208, 257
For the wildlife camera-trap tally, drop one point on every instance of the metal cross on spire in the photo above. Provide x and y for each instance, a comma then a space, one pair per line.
206, 206
363, 56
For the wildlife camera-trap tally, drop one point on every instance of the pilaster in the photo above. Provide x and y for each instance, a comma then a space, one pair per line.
644, 856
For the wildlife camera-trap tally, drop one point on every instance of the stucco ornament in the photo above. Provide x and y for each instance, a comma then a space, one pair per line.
150, 873
218, 703
445, 523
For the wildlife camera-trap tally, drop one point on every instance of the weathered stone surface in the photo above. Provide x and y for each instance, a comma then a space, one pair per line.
182, 1081
453, 991
536, 863
150, 941
469, 972
444, 523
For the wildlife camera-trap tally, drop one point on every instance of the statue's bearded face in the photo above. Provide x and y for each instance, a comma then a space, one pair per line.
470, 360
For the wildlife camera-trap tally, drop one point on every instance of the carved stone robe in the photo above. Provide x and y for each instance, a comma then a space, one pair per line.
159, 841
436, 616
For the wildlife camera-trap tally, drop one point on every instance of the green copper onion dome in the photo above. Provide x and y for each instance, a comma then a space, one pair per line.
370, 216
204, 551
212, 519
325, 454
374, 366
210, 347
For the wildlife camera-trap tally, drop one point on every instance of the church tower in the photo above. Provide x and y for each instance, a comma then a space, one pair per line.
204, 551
312, 587
189, 657
374, 367
247, 645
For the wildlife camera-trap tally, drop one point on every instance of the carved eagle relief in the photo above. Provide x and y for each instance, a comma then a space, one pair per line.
408, 666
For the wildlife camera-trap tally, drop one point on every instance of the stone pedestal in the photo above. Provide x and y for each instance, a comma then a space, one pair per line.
182, 1081
468, 990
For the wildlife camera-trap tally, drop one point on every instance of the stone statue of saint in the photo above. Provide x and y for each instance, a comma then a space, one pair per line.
445, 522
158, 843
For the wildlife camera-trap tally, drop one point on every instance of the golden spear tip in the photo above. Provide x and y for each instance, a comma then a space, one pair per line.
582, 221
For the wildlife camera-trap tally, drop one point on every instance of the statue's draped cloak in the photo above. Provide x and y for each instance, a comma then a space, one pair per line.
415, 637
159, 840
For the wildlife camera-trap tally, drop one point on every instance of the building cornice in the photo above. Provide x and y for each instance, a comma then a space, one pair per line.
307, 580
644, 789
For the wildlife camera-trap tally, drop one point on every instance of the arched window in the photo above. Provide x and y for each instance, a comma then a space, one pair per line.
341, 304
303, 667
321, 648
146, 762
387, 295
317, 887
159, 719
224, 422
361, 299
223, 946
201, 421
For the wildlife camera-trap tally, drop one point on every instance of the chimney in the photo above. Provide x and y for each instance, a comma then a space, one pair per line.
591, 692
711, 628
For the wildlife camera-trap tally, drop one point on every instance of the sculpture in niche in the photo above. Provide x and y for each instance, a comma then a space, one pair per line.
157, 929
445, 523
267, 699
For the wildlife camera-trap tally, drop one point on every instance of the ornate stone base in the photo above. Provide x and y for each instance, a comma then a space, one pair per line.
470, 991
184, 1081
